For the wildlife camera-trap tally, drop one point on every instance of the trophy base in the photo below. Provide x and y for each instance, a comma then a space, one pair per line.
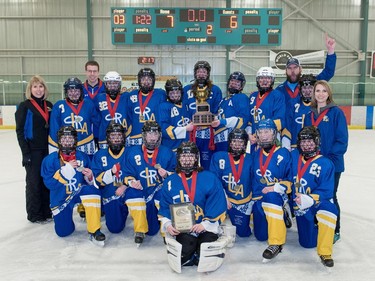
203, 119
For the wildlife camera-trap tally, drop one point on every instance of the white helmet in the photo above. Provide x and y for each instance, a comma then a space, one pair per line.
265, 72
112, 76
112, 89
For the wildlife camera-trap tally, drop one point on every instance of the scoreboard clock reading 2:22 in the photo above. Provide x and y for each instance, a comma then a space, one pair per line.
199, 26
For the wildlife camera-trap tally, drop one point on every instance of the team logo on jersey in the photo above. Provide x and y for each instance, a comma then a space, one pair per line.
117, 118
151, 177
71, 186
147, 114
183, 122
77, 123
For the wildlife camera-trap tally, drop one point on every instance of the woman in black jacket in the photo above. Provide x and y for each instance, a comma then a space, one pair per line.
32, 128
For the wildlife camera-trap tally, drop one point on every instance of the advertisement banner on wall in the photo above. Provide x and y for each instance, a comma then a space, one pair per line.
312, 62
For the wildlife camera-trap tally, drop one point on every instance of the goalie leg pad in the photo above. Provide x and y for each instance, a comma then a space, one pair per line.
212, 255
174, 250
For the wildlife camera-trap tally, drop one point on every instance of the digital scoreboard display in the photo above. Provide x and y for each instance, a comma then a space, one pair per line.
196, 26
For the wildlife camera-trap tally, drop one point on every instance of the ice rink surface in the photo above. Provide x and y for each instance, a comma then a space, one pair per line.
34, 252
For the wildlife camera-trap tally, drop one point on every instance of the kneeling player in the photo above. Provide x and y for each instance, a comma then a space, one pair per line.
316, 214
67, 174
233, 168
204, 191
108, 166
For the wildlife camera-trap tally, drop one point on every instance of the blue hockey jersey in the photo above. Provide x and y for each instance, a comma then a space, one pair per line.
209, 200
238, 192
173, 119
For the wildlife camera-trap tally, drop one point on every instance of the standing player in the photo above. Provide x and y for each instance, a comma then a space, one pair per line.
233, 168
298, 109
111, 106
266, 103
271, 182
233, 111
67, 174
316, 214
143, 104
204, 191
77, 112
175, 119
108, 167
146, 167
203, 136
333, 128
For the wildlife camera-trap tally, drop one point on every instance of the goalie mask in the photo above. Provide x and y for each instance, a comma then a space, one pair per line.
73, 89
67, 139
115, 135
237, 142
151, 135
308, 141
202, 70
146, 80
266, 133
306, 84
112, 82
187, 158
265, 79
173, 87
236, 83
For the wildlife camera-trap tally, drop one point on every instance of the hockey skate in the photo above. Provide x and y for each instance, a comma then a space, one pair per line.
271, 252
287, 216
327, 260
81, 211
138, 238
97, 238
336, 237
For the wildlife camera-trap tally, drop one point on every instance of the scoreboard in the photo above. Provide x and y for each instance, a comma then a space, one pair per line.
196, 26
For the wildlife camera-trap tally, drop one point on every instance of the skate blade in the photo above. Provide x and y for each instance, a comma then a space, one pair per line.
97, 243
266, 260
138, 245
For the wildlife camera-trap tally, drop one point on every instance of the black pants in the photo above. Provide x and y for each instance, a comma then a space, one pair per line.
191, 245
336, 202
37, 195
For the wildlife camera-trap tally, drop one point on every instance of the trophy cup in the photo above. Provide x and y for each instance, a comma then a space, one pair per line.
203, 116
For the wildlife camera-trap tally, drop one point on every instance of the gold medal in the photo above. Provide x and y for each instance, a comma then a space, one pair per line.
297, 185
263, 180
141, 117
80, 168
190, 207
237, 187
157, 166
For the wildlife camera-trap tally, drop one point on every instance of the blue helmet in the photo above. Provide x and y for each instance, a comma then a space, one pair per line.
266, 141
237, 75
73, 83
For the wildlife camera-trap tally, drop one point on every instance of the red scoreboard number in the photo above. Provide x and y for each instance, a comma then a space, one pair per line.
142, 19
118, 19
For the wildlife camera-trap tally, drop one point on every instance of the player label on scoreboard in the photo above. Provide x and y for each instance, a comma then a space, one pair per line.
198, 26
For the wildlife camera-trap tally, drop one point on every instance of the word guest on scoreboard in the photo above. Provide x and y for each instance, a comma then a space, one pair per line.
200, 26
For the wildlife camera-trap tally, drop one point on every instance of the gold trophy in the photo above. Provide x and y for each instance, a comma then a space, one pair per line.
203, 116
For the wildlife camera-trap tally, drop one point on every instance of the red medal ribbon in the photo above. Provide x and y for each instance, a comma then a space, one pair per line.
142, 105
44, 112
264, 167
302, 171
190, 191
154, 155
75, 109
68, 158
291, 93
112, 110
236, 173
320, 118
93, 95
259, 100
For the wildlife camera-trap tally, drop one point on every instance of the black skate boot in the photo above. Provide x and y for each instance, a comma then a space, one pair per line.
138, 238
327, 260
97, 238
271, 252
